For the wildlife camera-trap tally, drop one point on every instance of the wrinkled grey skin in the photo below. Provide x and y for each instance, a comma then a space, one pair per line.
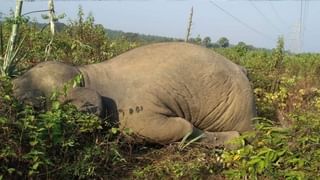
161, 91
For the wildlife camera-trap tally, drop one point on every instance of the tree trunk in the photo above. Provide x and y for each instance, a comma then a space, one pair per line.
189, 25
10, 54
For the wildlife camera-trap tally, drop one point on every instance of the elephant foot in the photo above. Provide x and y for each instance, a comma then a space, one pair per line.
221, 139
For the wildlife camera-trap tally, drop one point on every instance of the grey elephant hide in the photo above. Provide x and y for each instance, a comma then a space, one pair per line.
161, 91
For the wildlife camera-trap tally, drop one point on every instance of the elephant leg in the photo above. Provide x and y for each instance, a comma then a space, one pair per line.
172, 129
161, 129
85, 100
220, 138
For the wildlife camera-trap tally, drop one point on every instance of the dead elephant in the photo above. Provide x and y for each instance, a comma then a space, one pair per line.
162, 92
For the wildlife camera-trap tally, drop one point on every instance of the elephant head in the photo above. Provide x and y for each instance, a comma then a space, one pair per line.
41, 80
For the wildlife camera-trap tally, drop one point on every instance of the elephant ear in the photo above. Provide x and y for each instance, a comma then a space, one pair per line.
85, 100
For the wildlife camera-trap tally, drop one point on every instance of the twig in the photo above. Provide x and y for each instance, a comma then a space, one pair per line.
35, 12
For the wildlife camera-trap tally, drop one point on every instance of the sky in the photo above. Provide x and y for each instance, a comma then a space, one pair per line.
255, 22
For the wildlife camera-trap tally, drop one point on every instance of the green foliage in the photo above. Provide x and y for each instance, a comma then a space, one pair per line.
81, 41
223, 42
59, 142
241, 48
278, 153
9, 58
196, 40
287, 92
137, 37
278, 53
62, 143
186, 141
195, 162
206, 42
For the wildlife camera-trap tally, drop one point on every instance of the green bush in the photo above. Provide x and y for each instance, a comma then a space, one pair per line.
196, 162
81, 41
58, 142
278, 153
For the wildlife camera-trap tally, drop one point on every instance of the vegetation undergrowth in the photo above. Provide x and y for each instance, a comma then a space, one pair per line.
59, 142
56, 142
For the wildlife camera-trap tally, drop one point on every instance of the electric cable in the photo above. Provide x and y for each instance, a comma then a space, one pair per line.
265, 17
241, 22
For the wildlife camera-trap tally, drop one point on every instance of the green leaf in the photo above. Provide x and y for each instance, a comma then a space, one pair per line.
55, 105
297, 161
61, 16
128, 131
292, 174
264, 150
3, 120
54, 95
69, 143
114, 130
44, 16
41, 129
281, 153
254, 161
261, 166
10, 170
77, 80
33, 143
271, 156
7, 97
36, 165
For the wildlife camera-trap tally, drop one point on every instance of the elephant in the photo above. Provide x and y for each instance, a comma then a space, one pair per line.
162, 92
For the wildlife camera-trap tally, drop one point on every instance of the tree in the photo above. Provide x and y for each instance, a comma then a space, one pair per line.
52, 18
223, 42
241, 48
278, 53
196, 40
242, 44
206, 42
277, 57
10, 57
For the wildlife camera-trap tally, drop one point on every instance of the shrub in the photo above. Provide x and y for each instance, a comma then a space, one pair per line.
278, 153
58, 142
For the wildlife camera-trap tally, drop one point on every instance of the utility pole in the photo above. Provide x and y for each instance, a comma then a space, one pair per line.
10, 54
189, 25
52, 18
1, 37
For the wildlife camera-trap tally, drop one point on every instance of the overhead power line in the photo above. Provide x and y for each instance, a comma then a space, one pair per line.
301, 17
305, 13
277, 14
302, 20
241, 22
265, 17
301, 25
